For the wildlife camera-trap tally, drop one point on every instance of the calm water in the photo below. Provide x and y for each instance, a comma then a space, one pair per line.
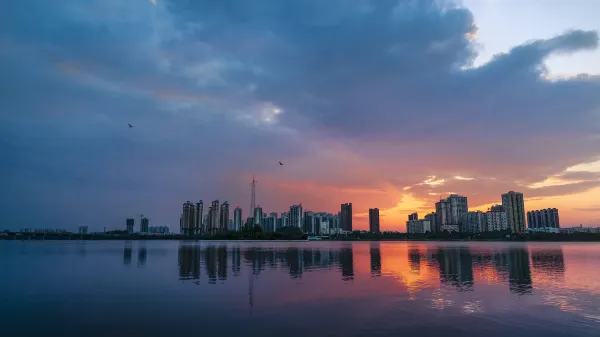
298, 289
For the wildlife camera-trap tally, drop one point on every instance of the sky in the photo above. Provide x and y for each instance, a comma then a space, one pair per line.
391, 104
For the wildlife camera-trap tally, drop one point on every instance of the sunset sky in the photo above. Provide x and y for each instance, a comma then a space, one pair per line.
385, 103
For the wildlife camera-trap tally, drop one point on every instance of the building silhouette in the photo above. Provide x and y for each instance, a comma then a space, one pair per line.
515, 211
213, 217
346, 217
129, 223
224, 217
433, 222
198, 217
295, 216
374, 220
144, 225
545, 218
258, 216
187, 220
450, 212
237, 219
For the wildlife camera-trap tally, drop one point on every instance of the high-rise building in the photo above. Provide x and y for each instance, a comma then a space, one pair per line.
224, 217
418, 226
258, 216
237, 219
188, 218
214, 216
295, 216
346, 217
472, 222
230, 225
129, 223
450, 212
413, 216
205, 221
496, 219
285, 219
515, 211
144, 225
82, 229
545, 218
270, 223
374, 220
433, 221
308, 222
198, 218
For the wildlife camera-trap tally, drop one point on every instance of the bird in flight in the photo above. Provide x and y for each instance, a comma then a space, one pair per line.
280, 163
130, 126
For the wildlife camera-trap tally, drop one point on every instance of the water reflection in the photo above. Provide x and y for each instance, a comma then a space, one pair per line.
549, 261
375, 253
142, 253
127, 251
519, 272
368, 286
455, 265
456, 268
189, 262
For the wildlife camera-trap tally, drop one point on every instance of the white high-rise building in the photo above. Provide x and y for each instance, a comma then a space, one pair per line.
515, 211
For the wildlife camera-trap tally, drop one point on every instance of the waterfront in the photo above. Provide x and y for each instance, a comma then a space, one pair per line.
168, 288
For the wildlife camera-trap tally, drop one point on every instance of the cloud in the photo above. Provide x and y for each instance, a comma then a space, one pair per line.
354, 97
588, 209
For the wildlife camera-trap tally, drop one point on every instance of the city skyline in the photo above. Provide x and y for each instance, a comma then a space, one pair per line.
354, 104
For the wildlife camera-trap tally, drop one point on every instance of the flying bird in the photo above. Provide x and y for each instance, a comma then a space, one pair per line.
280, 163
130, 126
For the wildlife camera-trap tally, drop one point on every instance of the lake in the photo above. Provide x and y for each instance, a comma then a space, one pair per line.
172, 288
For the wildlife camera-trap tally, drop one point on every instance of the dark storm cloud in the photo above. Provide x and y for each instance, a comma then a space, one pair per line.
390, 79
399, 71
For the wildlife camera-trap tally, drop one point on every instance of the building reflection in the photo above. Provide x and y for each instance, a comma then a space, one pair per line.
414, 259
189, 262
127, 251
347, 263
456, 268
210, 264
142, 254
236, 261
519, 271
375, 253
549, 262
293, 261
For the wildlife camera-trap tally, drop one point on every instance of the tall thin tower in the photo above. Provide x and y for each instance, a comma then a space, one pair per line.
253, 196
